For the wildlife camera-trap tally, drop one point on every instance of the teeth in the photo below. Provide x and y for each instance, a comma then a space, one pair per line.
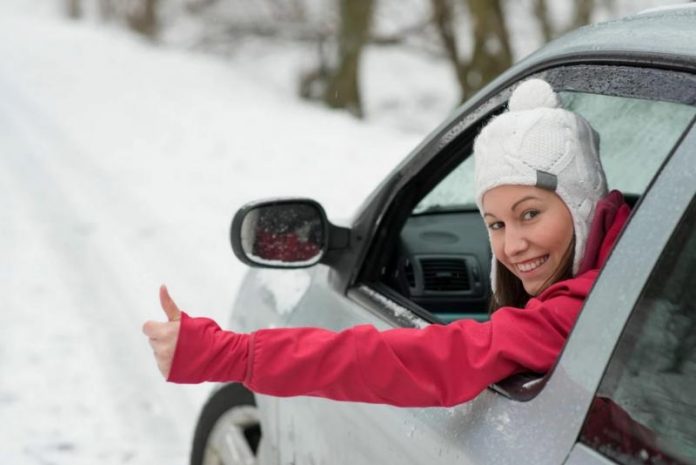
529, 266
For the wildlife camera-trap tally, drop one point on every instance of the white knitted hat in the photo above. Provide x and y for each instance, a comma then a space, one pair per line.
537, 143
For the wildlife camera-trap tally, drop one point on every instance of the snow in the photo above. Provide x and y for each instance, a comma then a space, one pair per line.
122, 164
396, 310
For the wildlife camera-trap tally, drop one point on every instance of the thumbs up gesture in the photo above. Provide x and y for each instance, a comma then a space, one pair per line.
163, 336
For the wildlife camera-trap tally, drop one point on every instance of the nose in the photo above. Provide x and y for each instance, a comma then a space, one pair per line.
515, 241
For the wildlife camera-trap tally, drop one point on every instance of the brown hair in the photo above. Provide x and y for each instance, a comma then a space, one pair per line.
509, 290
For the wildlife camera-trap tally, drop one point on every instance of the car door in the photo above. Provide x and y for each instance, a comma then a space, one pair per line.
535, 422
644, 410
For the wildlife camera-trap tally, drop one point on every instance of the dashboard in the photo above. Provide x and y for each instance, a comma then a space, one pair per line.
443, 264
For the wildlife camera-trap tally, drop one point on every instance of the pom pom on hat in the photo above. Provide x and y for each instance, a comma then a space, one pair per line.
534, 93
538, 143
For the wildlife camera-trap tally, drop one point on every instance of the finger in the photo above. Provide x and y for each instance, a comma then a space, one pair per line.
168, 305
153, 329
150, 328
163, 357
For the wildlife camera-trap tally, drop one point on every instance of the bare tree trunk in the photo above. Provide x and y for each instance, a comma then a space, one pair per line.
342, 90
143, 18
491, 54
73, 8
583, 13
312, 85
443, 17
541, 12
611, 5
196, 6
106, 10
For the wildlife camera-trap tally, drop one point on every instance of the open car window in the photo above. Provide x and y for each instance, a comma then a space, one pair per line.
442, 260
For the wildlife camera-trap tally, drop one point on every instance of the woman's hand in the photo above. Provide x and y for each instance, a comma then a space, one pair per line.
163, 336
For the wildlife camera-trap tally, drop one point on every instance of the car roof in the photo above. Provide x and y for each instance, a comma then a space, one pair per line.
664, 31
659, 37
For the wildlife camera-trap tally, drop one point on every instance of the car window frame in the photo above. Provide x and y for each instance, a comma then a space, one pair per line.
451, 144
457, 135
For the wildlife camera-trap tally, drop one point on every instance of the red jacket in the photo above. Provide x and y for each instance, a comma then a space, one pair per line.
440, 365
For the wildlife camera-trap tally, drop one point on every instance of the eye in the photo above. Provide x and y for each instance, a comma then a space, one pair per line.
530, 214
495, 225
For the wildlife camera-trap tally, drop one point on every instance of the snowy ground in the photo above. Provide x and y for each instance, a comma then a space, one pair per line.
121, 165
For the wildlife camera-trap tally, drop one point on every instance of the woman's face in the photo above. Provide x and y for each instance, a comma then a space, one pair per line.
530, 229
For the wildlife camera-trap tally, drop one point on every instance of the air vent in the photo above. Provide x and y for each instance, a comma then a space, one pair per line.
445, 274
410, 274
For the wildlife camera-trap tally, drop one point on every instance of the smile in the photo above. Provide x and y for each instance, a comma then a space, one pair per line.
531, 265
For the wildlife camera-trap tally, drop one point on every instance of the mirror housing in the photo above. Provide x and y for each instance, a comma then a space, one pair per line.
285, 233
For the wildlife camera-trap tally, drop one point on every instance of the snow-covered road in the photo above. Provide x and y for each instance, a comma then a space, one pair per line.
121, 165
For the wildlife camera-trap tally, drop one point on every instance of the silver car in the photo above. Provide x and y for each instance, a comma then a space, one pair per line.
416, 253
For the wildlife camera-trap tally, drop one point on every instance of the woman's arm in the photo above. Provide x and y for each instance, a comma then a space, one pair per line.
440, 365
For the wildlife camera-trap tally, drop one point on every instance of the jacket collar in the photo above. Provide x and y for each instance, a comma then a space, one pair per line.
611, 214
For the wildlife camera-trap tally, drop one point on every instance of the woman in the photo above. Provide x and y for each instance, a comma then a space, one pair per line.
542, 193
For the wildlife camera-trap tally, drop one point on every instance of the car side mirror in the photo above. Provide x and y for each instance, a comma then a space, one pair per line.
284, 233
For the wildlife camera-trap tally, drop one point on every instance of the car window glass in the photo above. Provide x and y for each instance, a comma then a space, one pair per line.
635, 137
645, 408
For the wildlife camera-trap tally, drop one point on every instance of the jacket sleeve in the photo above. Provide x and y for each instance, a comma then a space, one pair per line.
440, 365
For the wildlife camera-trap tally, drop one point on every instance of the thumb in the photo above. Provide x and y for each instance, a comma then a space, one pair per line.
168, 305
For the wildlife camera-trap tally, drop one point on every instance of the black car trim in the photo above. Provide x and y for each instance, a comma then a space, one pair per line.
648, 60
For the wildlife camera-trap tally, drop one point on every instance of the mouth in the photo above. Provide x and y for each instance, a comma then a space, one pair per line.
531, 265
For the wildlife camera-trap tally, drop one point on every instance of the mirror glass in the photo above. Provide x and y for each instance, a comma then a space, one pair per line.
289, 233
